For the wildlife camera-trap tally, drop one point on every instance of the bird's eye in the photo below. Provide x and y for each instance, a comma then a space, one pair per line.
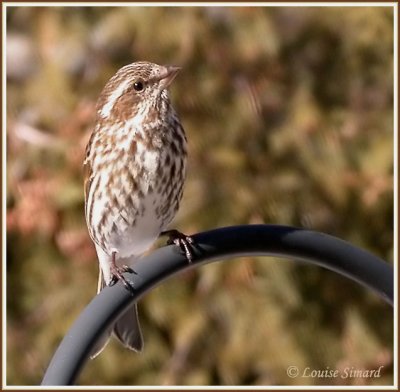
138, 85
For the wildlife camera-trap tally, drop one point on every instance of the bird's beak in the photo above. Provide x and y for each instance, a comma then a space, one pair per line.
168, 74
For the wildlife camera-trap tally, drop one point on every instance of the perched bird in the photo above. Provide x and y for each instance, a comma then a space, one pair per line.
134, 168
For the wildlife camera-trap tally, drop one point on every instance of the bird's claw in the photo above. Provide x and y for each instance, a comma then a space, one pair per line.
116, 275
182, 240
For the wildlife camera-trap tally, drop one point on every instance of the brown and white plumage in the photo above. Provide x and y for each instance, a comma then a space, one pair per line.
134, 174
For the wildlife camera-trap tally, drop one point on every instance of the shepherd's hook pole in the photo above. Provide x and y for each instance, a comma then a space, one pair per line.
230, 242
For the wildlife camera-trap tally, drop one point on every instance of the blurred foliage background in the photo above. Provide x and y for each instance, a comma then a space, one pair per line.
289, 117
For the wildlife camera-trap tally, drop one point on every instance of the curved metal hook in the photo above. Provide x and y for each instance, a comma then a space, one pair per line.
251, 240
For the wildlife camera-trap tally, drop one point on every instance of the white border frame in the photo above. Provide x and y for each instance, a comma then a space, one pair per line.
5, 5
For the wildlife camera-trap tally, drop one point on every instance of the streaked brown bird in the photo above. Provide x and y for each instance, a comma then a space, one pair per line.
135, 169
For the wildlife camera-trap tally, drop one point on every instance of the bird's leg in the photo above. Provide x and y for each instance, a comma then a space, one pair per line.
181, 240
116, 273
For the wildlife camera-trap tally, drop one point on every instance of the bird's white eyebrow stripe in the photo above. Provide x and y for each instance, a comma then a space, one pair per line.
106, 109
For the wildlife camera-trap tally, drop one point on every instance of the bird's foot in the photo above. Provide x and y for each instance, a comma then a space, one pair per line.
116, 275
182, 240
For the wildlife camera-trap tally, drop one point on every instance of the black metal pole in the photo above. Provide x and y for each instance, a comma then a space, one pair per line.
256, 240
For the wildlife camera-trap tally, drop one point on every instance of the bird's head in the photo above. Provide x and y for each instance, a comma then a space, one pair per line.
138, 89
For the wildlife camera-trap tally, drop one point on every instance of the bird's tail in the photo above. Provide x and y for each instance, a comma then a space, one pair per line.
126, 329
